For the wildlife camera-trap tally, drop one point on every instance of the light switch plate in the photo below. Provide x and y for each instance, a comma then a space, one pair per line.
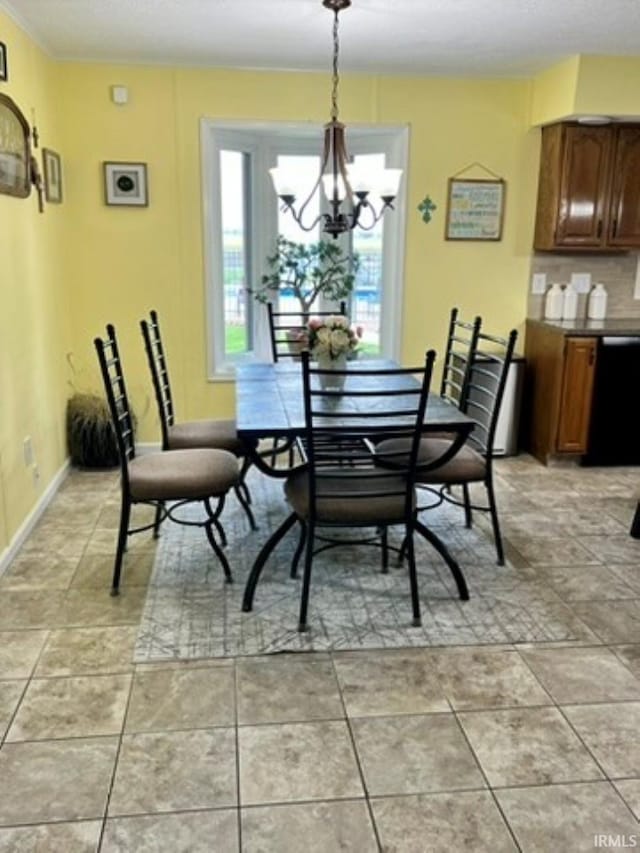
539, 282
581, 282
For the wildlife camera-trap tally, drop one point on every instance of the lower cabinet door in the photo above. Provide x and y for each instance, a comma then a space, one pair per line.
576, 395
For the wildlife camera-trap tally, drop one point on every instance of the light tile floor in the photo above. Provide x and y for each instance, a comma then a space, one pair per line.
496, 748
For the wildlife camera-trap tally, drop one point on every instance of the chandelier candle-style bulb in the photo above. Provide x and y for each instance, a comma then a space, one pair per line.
348, 190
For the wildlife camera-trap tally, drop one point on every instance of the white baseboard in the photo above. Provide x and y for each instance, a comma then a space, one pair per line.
7, 556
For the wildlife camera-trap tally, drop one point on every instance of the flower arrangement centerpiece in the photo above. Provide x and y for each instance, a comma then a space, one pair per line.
331, 338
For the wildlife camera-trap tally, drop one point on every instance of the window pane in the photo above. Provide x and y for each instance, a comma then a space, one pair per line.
233, 174
304, 170
366, 300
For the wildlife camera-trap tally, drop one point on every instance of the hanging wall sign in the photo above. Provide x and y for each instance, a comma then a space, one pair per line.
475, 209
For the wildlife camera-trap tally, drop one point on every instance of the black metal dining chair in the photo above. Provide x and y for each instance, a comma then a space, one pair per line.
462, 337
338, 486
185, 435
286, 327
167, 480
473, 462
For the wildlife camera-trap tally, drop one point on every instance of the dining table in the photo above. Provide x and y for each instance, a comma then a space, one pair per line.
270, 404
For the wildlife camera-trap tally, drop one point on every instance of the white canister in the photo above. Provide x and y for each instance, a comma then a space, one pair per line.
597, 307
553, 303
569, 303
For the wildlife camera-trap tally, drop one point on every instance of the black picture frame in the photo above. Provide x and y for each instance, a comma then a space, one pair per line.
4, 69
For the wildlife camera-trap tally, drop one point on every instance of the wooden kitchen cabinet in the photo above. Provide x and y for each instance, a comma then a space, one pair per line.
560, 371
589, 188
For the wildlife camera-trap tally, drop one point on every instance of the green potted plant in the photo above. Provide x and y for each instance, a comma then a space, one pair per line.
307, 271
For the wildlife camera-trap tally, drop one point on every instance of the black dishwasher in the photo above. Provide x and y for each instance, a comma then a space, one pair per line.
614, 434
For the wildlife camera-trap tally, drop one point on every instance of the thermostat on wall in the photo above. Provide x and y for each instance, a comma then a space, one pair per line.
119, 94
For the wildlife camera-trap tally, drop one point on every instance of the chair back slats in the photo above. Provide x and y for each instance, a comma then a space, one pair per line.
390, 403
485, 391
117, 399
286, 326
461, 341
159, 374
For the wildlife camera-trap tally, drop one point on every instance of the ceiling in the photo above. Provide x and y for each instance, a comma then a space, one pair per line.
445, 37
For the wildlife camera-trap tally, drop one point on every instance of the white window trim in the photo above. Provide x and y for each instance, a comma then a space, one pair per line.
393, 140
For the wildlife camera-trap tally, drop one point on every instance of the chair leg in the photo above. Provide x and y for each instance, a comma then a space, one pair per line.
413, 578
306, 580
158, 519
246, 464
497, 536
437, 543
635, 524
125, 515
218, 551
384, 541
261, 559
243, 494
242, 500
214, 522
468, 518
299, 548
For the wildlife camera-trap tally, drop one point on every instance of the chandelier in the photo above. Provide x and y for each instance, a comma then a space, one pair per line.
348, 190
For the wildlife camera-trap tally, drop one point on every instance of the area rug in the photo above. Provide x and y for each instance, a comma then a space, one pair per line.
191, 613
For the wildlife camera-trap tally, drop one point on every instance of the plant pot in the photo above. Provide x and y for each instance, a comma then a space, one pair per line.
91, 440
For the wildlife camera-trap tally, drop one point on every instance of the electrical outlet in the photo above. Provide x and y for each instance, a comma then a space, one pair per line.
581, 282
35, 473
27, 448
539, 282
636, 289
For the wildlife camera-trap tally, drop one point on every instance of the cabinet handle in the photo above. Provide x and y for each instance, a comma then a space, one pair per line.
592, 356
599, 230
615, 228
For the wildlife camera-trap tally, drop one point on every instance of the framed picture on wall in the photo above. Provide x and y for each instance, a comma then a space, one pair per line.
475, 209
126, 184
52, 176
4, 73
15, 152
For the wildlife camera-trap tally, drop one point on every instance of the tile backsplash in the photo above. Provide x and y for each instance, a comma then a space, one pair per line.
616, 272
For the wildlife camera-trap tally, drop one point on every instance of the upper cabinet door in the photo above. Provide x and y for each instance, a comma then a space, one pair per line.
583, 191
624, 215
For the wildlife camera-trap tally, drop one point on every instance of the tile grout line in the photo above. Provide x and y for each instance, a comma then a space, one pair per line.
354, 747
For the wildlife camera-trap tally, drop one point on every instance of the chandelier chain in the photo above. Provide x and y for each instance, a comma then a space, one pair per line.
336, 76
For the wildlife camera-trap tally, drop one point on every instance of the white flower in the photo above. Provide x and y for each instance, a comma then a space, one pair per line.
332, 337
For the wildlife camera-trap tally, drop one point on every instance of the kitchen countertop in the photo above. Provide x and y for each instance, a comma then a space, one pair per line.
592, 328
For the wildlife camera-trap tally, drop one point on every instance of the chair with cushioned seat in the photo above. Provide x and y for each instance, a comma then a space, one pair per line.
174, 477
186, 435
462, 338
285, 326
473, 462
340, 487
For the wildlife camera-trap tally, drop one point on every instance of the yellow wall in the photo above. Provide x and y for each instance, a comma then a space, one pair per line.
609, 85
34, 320
554, 90
587, 85
126, 261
